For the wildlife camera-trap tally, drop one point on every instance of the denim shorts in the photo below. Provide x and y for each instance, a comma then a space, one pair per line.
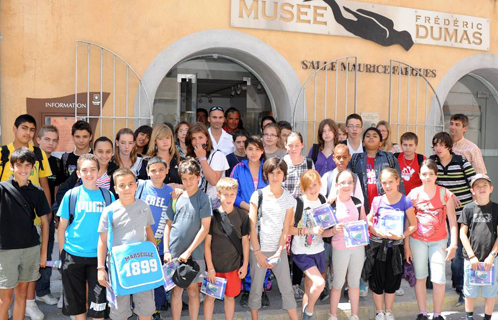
472, 291
433, 252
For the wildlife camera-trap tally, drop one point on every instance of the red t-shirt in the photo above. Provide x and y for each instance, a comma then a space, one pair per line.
371, 181
409, 172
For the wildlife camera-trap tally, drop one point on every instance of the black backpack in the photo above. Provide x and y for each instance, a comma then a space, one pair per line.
420, 157
6, 153
314, 152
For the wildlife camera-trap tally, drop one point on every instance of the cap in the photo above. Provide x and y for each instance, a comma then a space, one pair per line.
479, 176
185, 273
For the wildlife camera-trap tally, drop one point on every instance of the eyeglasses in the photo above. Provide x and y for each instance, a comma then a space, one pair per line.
216, 108
269, 135
354, 127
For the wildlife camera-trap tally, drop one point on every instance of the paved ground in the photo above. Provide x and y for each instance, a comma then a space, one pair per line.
405, 306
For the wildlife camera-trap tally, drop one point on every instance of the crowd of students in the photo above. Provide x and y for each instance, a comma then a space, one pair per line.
179, 187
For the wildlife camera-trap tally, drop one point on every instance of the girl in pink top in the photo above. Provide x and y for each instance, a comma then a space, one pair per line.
346, 260
432, 205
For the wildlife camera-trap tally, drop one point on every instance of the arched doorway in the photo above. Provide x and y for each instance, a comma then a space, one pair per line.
470, 87
253, 54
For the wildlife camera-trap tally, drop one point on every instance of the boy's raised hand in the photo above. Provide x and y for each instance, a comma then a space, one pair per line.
102, 277
177, 192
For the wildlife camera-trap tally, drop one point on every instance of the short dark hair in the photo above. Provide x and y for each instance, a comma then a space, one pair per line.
24, 118
230, 111
271, 164
443, 138
87, 156
21, 155
143, 129
354, 116
429, 163
372, 129
267, 118
155, 160
81, 125
102, 139
240, 133
460, 117
408, 136
284, 125
202, 110
189, 166
256, 141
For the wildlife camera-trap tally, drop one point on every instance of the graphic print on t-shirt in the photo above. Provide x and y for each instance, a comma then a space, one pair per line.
429, 220
407, 173
372, 178
158, 202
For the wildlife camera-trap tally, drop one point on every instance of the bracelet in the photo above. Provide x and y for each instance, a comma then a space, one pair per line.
255, 251
166, 252
101, 267
473, 256
202, 159
212, 270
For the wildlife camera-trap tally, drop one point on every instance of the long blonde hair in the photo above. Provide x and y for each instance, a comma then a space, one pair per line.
162, 131
387, 144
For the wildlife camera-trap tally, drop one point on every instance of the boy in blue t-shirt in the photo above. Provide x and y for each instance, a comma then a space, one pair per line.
78, 238
157, 195
131, 223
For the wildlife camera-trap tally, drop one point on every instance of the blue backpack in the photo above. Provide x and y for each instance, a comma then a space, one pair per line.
133, 268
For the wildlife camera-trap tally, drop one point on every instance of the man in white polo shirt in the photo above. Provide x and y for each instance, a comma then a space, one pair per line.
220, 139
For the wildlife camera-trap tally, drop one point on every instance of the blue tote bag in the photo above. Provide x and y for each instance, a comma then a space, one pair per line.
133, 268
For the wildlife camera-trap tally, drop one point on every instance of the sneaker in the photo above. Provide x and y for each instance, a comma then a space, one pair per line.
363, 291
48, 299
354, 317
306, 316
156, 315
244, 299
422, 317
332, 317
265, 302
32, 310
298, 293
380, 316
461, 299
60, 302
400, 292
389, 315
440, 317
325, 294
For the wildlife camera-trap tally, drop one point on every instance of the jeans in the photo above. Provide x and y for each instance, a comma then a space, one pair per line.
457, 266
43, 284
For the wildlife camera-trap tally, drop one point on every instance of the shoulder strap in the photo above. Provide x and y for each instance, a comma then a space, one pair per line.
314, 152
459, 160
73, 198
140, 188
110, 234
432, 157
442, 195
420, 158
309, 163
65, 156
354, 160
227, 227
260, 203
396, 154
375, 204
107, 196
20, 199
357, 203
390, 160
322, 198
173, 205
38, 155
299, 211
5, 158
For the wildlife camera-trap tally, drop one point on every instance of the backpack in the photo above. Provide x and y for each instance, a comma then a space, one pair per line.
6, 153
356, 201
309, 163
420, 157
73, 198
299, 208
314, 152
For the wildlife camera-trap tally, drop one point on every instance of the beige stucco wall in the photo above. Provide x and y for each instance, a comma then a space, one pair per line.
38, 47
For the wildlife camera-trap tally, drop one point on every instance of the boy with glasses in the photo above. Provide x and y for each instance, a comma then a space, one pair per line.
354, 127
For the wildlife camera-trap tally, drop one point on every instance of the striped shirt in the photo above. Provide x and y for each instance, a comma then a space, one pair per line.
456, 177
104, 181
471, 152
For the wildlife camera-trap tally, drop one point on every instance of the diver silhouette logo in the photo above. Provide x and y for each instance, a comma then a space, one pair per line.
371, 26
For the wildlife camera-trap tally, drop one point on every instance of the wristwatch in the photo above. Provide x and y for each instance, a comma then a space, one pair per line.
494, 254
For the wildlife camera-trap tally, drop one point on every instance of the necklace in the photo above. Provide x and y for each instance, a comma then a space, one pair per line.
409, 165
